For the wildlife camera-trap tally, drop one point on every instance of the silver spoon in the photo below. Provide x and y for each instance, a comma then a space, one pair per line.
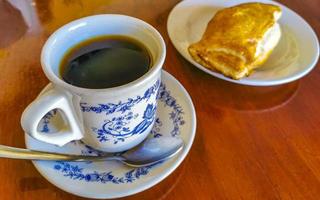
149, 152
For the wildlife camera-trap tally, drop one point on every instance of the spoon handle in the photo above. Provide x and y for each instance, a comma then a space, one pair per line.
26, 154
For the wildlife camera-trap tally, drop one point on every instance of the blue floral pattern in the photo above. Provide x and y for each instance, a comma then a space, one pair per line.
156, 128
177, 112
117, 129
46, 121
74, 172
121, 106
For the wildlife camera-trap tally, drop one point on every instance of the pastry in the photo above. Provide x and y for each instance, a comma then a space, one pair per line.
238, 39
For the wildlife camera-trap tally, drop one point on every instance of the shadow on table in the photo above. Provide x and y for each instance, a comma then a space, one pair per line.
217, 93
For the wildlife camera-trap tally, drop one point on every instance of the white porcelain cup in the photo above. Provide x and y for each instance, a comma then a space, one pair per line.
112, 119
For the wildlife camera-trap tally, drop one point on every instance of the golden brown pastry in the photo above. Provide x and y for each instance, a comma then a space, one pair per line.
238, 39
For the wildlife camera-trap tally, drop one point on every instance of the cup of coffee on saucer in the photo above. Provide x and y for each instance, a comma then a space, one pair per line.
105, 74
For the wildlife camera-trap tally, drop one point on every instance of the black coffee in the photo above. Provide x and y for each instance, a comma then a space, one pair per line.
104, 62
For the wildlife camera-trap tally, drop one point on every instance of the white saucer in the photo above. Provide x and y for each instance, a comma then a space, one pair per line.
175, 117
295, 55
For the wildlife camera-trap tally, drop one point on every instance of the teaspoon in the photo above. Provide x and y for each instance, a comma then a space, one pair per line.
149, 152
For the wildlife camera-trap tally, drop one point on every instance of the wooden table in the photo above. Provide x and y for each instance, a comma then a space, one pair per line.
251, 142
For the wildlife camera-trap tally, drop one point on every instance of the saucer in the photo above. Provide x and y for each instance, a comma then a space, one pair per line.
295, 55
110, 179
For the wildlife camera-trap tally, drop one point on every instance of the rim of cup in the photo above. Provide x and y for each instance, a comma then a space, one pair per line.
113, 91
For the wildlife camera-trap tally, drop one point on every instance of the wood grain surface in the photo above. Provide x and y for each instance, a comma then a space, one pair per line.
251, 143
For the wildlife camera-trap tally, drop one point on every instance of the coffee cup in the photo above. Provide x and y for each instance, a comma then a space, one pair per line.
109, 119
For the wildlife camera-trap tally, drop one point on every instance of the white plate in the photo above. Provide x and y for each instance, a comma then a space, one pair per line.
295, 55
175, 117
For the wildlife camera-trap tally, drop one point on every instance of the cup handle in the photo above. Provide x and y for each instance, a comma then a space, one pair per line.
54, 98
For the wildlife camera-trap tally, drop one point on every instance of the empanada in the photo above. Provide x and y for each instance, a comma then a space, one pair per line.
238, 39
